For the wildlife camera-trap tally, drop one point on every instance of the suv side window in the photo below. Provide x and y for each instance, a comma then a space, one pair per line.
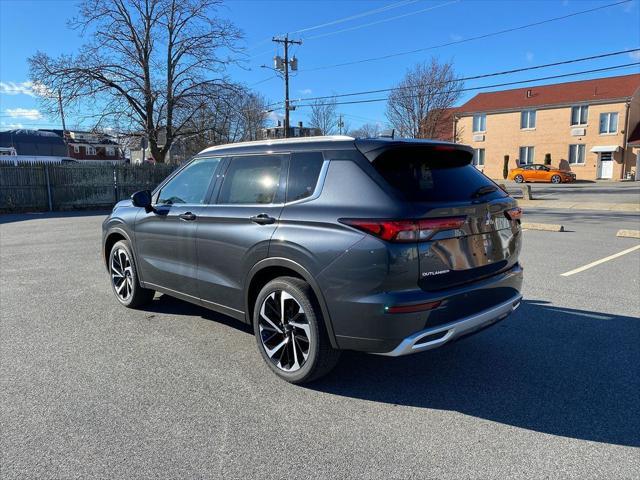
304, 171
254, 179
191, 185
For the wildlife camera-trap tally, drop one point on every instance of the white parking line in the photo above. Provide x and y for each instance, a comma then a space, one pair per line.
602, 260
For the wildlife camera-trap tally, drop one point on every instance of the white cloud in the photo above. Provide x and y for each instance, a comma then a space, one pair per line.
11, 126
306, 91
29, 113
635, 55
275, 116
455, 37
24, 88
529, 56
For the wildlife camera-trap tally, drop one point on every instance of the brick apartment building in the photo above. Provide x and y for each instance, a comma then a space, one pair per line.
585, 126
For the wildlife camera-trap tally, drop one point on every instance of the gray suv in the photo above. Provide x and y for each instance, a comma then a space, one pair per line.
325, 244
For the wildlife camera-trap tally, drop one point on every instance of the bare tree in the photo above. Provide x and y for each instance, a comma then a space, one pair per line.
324, 115
148, 64
368, 130
234, 115
415, 106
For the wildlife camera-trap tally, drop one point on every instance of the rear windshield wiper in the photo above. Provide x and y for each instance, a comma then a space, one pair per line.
484, 191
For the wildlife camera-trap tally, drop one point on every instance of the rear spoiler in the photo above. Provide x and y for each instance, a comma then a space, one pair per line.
457, 153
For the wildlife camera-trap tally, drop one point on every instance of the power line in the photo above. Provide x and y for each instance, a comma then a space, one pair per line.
496, 85
384, 20
335, 22
474, 77
465, 40
390, 6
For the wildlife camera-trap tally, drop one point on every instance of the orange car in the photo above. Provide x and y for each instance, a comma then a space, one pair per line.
540, 173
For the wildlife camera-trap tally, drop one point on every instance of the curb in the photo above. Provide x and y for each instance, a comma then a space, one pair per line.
547, 227
628, 233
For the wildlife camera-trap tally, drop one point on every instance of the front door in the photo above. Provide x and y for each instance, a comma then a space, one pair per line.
165, 238
234, 233
605, 169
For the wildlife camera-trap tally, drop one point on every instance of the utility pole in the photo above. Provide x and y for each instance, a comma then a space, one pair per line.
340, 124
64, 126
283, 65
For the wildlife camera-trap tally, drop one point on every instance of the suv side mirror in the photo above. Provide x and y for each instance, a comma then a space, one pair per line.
142, 199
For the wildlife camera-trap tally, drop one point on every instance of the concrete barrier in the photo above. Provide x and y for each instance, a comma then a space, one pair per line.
628, 233
548, 227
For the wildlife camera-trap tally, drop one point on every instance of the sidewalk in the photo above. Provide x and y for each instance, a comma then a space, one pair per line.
601, 206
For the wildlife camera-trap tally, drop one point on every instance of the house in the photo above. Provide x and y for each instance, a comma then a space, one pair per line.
93, 146
584, 126
299, 131
33, 143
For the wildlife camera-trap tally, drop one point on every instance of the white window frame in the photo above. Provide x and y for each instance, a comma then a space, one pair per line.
530, 153
528, 115
579, 148
76, 149
608, 130
110, 151
580, 122
91, 151
482, 120
478, 157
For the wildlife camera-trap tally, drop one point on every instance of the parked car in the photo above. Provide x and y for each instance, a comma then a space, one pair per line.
325, 244
540, 173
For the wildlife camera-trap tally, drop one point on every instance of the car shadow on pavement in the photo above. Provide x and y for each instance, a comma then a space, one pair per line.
559, 371
173, 306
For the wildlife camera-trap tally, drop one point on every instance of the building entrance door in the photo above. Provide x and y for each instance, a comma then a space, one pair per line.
605, 165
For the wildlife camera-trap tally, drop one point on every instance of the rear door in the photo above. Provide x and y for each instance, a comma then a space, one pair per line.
442, 188
165, 238
235, 230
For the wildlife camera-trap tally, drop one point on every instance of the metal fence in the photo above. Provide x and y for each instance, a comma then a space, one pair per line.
42, 187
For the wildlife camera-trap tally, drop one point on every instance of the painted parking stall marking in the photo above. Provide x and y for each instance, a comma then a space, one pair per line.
602, 260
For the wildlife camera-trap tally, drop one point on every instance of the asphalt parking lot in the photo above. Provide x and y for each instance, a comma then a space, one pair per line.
90, 389
581, 191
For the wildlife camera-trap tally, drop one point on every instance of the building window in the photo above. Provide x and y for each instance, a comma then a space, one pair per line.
76, 149
480, 123
478, 157
579, 115
528, 119
111, 152
608, 123
526, 155
91, 150
576, 154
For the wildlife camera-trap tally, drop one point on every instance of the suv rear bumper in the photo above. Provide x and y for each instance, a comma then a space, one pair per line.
361, 321
438, 336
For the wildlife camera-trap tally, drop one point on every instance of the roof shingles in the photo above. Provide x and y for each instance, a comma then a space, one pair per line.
599, 89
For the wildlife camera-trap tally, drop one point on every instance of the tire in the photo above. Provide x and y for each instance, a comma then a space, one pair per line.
556, 179
283, 344
519, 179
123, 276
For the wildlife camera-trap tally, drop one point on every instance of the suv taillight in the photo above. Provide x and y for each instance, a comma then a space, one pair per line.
405, 230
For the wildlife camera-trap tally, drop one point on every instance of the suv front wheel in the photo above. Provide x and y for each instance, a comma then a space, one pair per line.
290, 333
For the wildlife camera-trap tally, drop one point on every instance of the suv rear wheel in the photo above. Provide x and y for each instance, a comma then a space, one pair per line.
290, 333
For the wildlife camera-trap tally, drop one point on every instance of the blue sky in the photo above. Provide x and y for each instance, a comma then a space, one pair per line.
29, 25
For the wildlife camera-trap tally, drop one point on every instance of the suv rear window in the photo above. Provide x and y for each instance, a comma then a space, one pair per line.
430, 175
303, 175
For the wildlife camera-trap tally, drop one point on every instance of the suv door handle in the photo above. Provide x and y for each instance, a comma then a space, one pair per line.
263, 219
187, 216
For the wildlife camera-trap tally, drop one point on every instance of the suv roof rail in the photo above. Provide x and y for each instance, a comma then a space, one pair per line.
282, 141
